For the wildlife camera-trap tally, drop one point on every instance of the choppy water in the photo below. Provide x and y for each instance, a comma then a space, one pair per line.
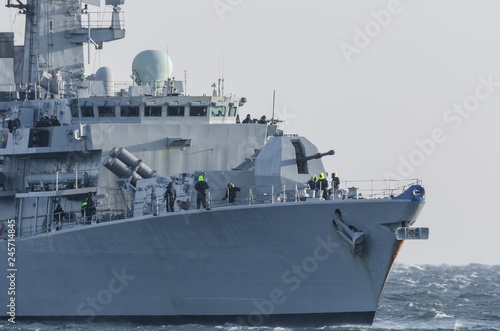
415, 298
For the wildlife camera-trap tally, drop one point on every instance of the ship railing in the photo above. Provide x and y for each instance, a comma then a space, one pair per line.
249, 195
295, 192
100, 20
6, 91
376, 189
16, 92
44, 224
122, 88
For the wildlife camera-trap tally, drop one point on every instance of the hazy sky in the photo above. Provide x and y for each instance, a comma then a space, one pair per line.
399, 88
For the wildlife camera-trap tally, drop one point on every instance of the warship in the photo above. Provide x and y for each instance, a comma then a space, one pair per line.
89, 232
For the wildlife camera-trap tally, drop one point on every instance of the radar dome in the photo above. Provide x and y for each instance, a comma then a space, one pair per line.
105, 75
151, 65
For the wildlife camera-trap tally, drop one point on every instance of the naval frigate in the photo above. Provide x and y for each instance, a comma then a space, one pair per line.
88, 231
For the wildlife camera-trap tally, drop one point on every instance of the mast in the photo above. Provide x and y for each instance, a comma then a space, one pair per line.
55, 37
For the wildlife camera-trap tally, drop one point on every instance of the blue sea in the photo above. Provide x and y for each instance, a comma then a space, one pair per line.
416, 297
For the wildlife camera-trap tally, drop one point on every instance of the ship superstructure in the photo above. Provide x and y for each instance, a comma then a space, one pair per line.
282, 253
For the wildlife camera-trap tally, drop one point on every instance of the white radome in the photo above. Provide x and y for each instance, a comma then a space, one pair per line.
151, 65
105, 75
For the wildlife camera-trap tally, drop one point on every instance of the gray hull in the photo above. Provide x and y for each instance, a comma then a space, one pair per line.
250, 264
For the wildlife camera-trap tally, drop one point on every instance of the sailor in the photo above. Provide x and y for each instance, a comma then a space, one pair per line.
16, 124
54, 121
248, 119
89, 206
322, 185
313, 183
263, 120
231, 192
10, 126
43, 122
58, 216
201, 187
170, 196
92, 207
84, 207
238, 119
335, 181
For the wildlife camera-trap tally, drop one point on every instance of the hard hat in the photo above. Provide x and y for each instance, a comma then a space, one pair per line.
200, 179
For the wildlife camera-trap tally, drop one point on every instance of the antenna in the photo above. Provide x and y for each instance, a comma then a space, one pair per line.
171, 78
88, 35
274, 102
185, 82
222, 74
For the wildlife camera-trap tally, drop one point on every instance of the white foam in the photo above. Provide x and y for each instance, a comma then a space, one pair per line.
416, 266
443, 315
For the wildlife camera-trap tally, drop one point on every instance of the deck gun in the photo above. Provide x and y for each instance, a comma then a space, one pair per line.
301, 159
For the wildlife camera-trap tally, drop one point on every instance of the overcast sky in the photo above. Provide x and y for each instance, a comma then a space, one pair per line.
397, 88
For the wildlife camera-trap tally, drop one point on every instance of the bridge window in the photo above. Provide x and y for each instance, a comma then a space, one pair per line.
198, 111
106, 111
218, 111
87, 111
232, 112
129, 111
175, 111
152, 111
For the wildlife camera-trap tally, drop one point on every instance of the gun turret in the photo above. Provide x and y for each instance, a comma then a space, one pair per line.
302, 159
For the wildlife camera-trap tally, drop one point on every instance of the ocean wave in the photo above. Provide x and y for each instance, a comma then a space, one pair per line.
443, 315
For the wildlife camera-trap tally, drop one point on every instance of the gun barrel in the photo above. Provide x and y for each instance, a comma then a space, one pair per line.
315, 156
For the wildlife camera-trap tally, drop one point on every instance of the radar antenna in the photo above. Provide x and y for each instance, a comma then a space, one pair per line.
274, 102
